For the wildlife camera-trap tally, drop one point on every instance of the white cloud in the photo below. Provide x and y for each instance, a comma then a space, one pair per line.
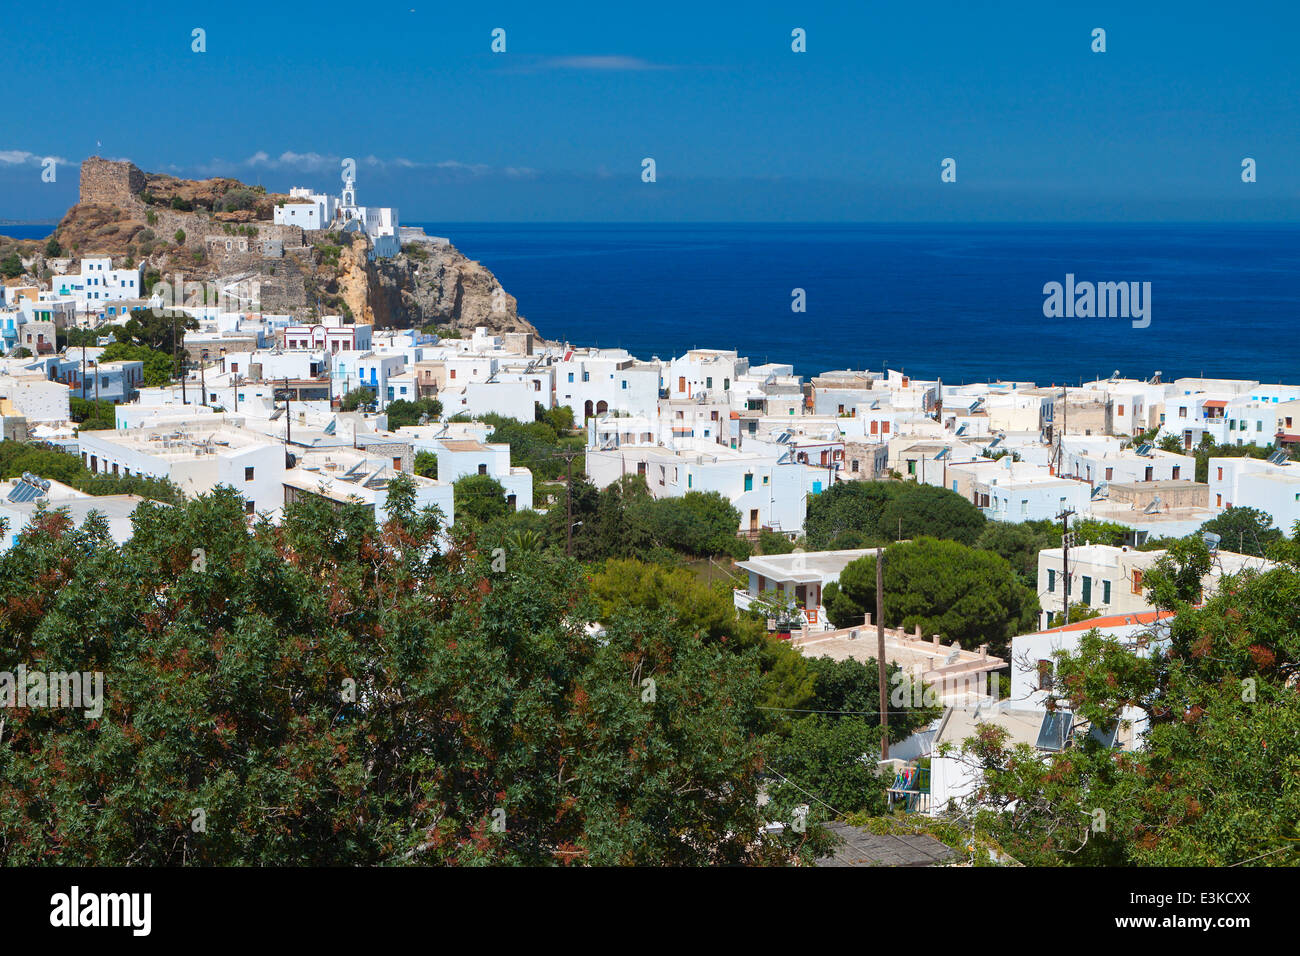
452, 165
604, 63
20, 157
452, 170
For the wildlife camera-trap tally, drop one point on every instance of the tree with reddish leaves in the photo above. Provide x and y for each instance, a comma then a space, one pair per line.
329, 691
1212, 781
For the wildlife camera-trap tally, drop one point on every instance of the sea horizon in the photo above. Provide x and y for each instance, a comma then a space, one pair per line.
957, 301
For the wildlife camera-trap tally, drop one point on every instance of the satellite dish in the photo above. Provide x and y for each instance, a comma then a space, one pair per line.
952, 656
1211, 541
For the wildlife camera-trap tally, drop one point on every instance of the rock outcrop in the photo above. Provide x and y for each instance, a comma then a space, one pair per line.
178, 225
440, 285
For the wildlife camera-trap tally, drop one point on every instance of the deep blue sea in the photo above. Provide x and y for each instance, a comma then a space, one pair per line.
961, 302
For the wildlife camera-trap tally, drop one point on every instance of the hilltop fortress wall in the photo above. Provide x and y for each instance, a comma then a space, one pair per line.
110, 182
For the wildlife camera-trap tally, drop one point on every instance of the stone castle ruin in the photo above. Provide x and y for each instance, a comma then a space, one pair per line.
110, 182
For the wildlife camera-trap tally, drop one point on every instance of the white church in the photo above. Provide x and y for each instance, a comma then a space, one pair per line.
319, 211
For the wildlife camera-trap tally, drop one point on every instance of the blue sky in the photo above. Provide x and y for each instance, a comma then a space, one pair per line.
741, 128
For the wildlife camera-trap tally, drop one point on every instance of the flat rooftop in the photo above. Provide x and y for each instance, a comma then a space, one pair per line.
175, 443
464, 444
959, 723
913, 654
110, 506
809, 567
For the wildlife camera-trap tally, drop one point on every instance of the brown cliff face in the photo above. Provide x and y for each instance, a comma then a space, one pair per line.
438, 285
128, 214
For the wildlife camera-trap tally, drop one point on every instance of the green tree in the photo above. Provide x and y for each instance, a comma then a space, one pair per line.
1170, 443
52, 248
402, 413
861, 514
362, 699
1018, 545
851, 688
624, 586
91, 415
536, 446
770, 542
426, 464
848, 507
356, 398
560, 417
699, 523
960, 593
11, 266
826, 764
1245, 530
157, 369
1211, 784
150, 330
479, 499
926, 510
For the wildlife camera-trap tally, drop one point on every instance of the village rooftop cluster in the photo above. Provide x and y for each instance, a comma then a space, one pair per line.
259, 410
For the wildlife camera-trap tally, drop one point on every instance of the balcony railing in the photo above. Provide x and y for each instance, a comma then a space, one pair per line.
911, 789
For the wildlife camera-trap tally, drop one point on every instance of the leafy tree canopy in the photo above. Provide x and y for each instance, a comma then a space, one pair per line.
860, 514
1212, 784
333, 692
960, 593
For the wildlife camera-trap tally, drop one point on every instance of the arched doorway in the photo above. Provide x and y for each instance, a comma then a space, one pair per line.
602, 408
586, 410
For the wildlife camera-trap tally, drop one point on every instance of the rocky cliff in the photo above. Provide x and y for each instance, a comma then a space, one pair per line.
221, 229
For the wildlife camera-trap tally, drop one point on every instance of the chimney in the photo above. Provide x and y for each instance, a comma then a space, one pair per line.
984, 651
866, 619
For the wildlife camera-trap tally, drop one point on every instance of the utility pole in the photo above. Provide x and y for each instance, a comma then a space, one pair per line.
203, 380
568, 497
1060, 436
287, 424
1065, 563
83, 370
880, 652
175, 361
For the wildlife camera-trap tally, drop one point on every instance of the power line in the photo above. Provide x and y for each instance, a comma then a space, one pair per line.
862, 713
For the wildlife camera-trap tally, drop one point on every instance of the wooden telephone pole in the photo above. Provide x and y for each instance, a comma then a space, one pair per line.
568, 498
880, 653
1065, 564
